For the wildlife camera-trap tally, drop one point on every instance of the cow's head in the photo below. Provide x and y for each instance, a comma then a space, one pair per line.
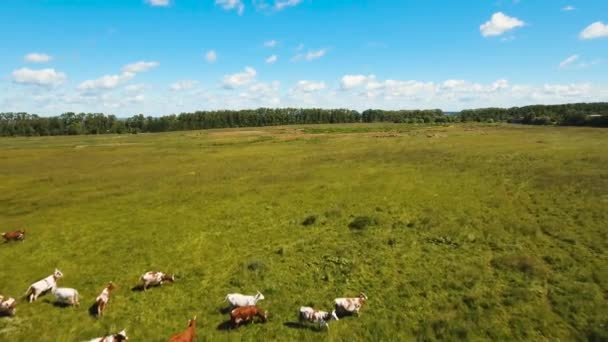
192, 322
362, 296
167, 277
259, 296
121, 336
110, 286
263, 315
57, 274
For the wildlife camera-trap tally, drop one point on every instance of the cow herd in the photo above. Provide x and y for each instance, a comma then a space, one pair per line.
243, 308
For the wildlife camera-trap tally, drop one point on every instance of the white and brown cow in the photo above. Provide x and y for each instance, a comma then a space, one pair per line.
308, 314
155, 278
102, 300
43, 285
350, 305
7, 306
119, 337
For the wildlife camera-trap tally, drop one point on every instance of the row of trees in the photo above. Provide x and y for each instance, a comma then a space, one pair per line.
24, 124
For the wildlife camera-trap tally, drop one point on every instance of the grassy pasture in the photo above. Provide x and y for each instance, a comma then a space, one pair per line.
476, 232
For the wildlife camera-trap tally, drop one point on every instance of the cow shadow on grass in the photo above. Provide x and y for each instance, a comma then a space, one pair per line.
303, 326
59, 304
225, 326
138, 288
225, 310
93, 311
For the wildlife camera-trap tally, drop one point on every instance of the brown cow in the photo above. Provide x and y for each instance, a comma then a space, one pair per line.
246, 314
102, 300
17, 235
188, 335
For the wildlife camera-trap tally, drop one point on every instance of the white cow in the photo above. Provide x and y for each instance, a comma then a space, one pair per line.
308, 314
7, 306
239, 300
66, 295
42, 286
350, 305
155, 278
121, 336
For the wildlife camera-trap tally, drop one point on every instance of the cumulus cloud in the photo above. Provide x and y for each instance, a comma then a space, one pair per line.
239, 79
183, 85
305, 86
158, 3
37, 57
134, 88
310, 55
499, 24
270, 43
353, 81
42, 77
211, 56
231, 5
272, 59
106, 82
138, 67
568, 8
594, 31
568, 61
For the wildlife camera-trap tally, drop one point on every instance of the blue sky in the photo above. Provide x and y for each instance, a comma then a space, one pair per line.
167, 56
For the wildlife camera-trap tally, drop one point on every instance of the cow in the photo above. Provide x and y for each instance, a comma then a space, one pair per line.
7, 306
246, 314
237, 300
102, 300
66, 295
119, 337
350, 305
17, 235
308, 314
155, 278
188, 335
42, 286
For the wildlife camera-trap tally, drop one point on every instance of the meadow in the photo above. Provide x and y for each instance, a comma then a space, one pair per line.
462, 232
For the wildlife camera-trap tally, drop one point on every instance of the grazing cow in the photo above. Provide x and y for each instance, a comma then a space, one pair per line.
7, 306
102, 300
17, 235
188, 335
246, 314
308, 314
155, 278
350, 305
121, 336
237, 300
66, 295
42, 286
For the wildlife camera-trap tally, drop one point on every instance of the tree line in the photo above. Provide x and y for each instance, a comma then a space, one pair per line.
25, 124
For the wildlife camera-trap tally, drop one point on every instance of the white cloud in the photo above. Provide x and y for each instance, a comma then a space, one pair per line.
239, 79
183, 85
353, 81
231, 5
568, 8
499, 24
272, 59
305, 86
42, 77
282, 4
270, 43
134, 88
159, 3
312, 55
37, 57
138, 67
568, 61
211, 56
595, 30
106, 82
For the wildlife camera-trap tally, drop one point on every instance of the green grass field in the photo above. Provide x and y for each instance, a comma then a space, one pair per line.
491, 232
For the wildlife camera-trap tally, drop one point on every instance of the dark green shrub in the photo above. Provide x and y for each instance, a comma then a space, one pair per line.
362, 222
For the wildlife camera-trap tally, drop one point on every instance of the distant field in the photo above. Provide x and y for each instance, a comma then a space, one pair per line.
482, 232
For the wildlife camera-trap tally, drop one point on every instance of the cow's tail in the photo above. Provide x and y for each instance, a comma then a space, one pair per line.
29, 291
